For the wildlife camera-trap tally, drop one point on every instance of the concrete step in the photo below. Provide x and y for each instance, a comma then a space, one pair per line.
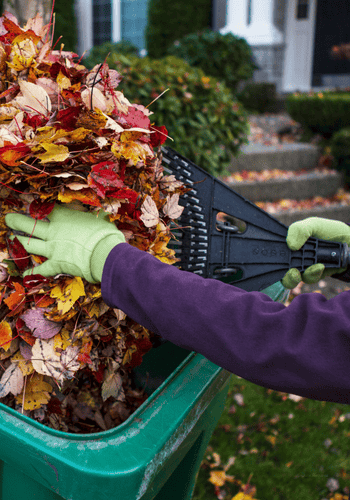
335, 212
296, 156
298, 187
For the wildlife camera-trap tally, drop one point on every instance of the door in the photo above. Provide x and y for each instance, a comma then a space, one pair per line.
300, 30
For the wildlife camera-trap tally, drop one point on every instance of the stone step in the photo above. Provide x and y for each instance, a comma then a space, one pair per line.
298, 187
296, 156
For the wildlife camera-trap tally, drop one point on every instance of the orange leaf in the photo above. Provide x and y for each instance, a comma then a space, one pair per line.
16, 297
86, 196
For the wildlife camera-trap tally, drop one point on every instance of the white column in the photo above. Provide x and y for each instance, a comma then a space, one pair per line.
83, 9
261, 30
116, 21
236, 17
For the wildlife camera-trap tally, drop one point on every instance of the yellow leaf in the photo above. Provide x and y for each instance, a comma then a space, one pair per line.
271, 439
63, 81
24, 364
5, 335
219, 478
36, 393
242, 496
62, 340
159, 247
69, 294
129, 151
54, 153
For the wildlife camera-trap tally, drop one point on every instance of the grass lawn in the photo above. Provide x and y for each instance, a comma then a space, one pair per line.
283, 449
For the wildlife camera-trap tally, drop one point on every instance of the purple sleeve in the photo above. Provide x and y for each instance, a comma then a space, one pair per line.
302, 349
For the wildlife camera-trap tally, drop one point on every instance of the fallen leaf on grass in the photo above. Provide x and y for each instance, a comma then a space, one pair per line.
219, 478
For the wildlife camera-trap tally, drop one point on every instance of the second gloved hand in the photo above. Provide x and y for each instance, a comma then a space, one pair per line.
74, 242
324, 229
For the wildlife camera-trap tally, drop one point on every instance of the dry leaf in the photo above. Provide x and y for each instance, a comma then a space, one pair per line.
67, 296
11, 381
46, 361
172, 208
39, 325
150, 214
5, 335
53, 153
34, 98
36, 393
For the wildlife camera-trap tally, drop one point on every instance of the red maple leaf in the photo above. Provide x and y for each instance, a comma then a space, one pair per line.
67, 118
104, 177
39, 209
18, 253
159, 136
143, 345
136, 118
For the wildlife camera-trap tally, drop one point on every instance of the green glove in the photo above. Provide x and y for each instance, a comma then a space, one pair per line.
324, 229
74, 242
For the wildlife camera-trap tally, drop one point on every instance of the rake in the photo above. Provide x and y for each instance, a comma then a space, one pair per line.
222, 235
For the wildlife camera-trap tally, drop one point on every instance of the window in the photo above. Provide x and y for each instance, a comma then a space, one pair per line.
102, 21
302, 9
249, 12
134, 16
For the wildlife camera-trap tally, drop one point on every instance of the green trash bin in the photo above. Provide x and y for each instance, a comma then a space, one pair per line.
154, 455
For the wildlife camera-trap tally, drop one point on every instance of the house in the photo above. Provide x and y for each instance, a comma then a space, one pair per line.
291, 39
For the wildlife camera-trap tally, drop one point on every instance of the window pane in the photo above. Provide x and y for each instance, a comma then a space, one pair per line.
302, 9
102, 21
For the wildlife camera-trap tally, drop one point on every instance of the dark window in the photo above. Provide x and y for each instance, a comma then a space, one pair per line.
102, 21
302, 9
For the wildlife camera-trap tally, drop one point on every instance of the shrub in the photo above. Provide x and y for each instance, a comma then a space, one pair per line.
99, 53
340, 148
207, 124
323, 113
258, 96
225, 57
169, 21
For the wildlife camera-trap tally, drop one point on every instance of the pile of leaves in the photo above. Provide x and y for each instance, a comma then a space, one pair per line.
68, 136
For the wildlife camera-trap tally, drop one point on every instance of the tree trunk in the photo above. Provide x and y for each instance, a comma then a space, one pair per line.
27, 9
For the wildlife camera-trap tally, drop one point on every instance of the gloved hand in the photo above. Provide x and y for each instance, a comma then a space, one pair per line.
324, 229
74, 242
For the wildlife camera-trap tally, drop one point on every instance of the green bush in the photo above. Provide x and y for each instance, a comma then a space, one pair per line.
340, 148
170, 20
99, 53
207, 124
323, 113
66, 24
225, 57
258, 97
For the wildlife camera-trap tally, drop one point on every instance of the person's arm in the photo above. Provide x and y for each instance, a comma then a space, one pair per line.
303, 349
